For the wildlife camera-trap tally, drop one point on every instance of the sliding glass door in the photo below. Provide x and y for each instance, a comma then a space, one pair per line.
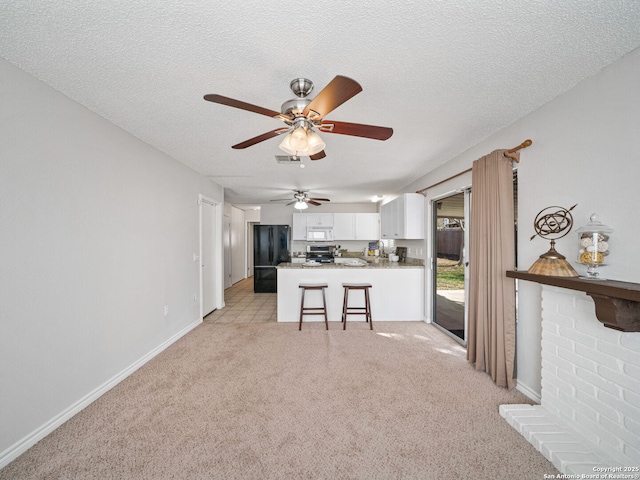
450, 220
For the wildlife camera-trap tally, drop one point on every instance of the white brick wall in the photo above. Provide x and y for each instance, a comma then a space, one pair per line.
591, 375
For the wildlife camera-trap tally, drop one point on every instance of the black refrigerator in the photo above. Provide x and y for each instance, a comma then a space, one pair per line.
270, 247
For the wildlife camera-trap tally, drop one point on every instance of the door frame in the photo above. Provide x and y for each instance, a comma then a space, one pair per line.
249, 249
466, 191
449, 187
226, 248
218, 300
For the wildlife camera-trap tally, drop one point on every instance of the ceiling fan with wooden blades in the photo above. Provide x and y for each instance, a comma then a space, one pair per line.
303, 115
301, 199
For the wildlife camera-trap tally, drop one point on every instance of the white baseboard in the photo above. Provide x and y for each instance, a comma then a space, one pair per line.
529, 393
17, 449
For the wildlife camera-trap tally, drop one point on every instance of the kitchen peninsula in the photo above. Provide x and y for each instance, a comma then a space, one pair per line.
397, 292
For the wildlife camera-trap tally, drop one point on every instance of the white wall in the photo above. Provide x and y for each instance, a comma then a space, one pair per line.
584, 151
97, 235
252, 215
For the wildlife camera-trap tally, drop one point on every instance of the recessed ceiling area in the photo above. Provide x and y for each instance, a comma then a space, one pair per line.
443, 75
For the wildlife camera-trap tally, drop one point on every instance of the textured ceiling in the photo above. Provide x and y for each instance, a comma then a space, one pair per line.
444, 75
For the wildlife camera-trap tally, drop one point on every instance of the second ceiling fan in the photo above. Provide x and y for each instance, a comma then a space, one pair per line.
301, 199
302, 115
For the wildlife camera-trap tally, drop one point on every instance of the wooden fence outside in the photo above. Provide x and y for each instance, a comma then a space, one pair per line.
450, 243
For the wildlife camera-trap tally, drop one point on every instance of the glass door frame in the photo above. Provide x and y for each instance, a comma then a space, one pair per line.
465, 260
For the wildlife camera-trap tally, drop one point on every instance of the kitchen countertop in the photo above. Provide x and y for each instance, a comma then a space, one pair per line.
377, 263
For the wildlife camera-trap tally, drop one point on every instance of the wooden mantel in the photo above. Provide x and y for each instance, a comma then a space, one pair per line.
617, 303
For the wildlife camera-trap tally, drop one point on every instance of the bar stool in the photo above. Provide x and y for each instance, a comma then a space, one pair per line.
313, 310
347, 310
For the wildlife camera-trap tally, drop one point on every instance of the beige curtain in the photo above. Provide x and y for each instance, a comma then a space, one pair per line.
491, 341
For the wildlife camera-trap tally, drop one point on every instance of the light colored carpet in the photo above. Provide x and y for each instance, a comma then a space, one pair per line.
265, 401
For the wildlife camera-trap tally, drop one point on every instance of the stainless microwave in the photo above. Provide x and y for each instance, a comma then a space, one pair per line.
319, 234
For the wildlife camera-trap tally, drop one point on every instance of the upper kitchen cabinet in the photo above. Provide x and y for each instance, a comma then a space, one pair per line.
403, 218
299, 226
367, 226
344, 226
303, 220
356, 226
319, 219
390, 220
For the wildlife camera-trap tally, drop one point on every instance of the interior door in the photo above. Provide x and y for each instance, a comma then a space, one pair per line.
450, 220
207, 260
227, 251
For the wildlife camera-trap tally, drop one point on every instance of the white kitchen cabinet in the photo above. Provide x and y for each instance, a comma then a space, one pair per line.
356, 226
390, 220
319, 219
403, 217
413, 216
367, 226
344, 226
303, 220
299, 226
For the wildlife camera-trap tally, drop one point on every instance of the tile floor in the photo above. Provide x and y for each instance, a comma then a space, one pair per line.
244, 306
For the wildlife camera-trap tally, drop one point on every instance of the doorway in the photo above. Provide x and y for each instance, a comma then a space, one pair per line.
450, 238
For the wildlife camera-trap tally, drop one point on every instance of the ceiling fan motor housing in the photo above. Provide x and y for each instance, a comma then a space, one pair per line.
301, 87
295, 106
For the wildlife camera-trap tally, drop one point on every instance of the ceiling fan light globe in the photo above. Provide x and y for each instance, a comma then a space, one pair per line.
314, 144
300, 205
298, 139
286, 146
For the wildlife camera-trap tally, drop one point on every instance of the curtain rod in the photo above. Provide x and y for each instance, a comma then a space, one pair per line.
508, 154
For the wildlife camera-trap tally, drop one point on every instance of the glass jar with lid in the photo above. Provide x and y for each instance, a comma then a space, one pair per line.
594, 246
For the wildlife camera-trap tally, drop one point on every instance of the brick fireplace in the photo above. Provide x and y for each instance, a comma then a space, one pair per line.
589, 416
